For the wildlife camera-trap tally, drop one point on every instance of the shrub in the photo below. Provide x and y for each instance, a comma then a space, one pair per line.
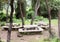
52, 40
29, 15
2, 23
39, 18
2, 16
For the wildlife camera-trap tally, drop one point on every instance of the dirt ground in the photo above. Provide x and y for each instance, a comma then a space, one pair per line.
25, 38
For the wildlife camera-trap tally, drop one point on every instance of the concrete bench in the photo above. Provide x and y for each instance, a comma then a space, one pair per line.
13, 28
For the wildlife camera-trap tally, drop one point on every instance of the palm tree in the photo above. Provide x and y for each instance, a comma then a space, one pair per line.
11, 16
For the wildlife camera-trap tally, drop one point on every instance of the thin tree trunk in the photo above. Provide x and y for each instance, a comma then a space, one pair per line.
7, 12
37, 5
0, 31
19, 1
0, 22
0, 6
11, 16
22, 16
59, 23
32, 20
48, 11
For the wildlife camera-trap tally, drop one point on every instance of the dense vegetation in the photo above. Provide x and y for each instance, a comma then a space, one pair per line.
28, 9
29, 12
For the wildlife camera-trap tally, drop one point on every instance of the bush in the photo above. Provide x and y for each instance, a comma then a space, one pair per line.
29, 12
52, 40
29, 15
3, 23
2, 16
39, 18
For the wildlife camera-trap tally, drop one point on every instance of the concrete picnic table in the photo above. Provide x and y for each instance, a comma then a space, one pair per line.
30, 28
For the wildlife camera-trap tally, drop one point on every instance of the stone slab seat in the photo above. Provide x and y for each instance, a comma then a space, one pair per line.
43, 24
29, 30
13, 28
15, 24
44, 27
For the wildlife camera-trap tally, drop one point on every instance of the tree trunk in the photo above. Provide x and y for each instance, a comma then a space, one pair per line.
0, 5
59, 22
37, 5
0, 31
19, 1
48, 11
11, 16
7, 12
23, 9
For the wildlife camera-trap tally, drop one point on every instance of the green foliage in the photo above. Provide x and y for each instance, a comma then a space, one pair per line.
54, 13
30, 13
3, 23
39, 18
2, 16
16, 20
52, 40
28, 21
23, 9
54, 4
18, 13
1, 6
45, 40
